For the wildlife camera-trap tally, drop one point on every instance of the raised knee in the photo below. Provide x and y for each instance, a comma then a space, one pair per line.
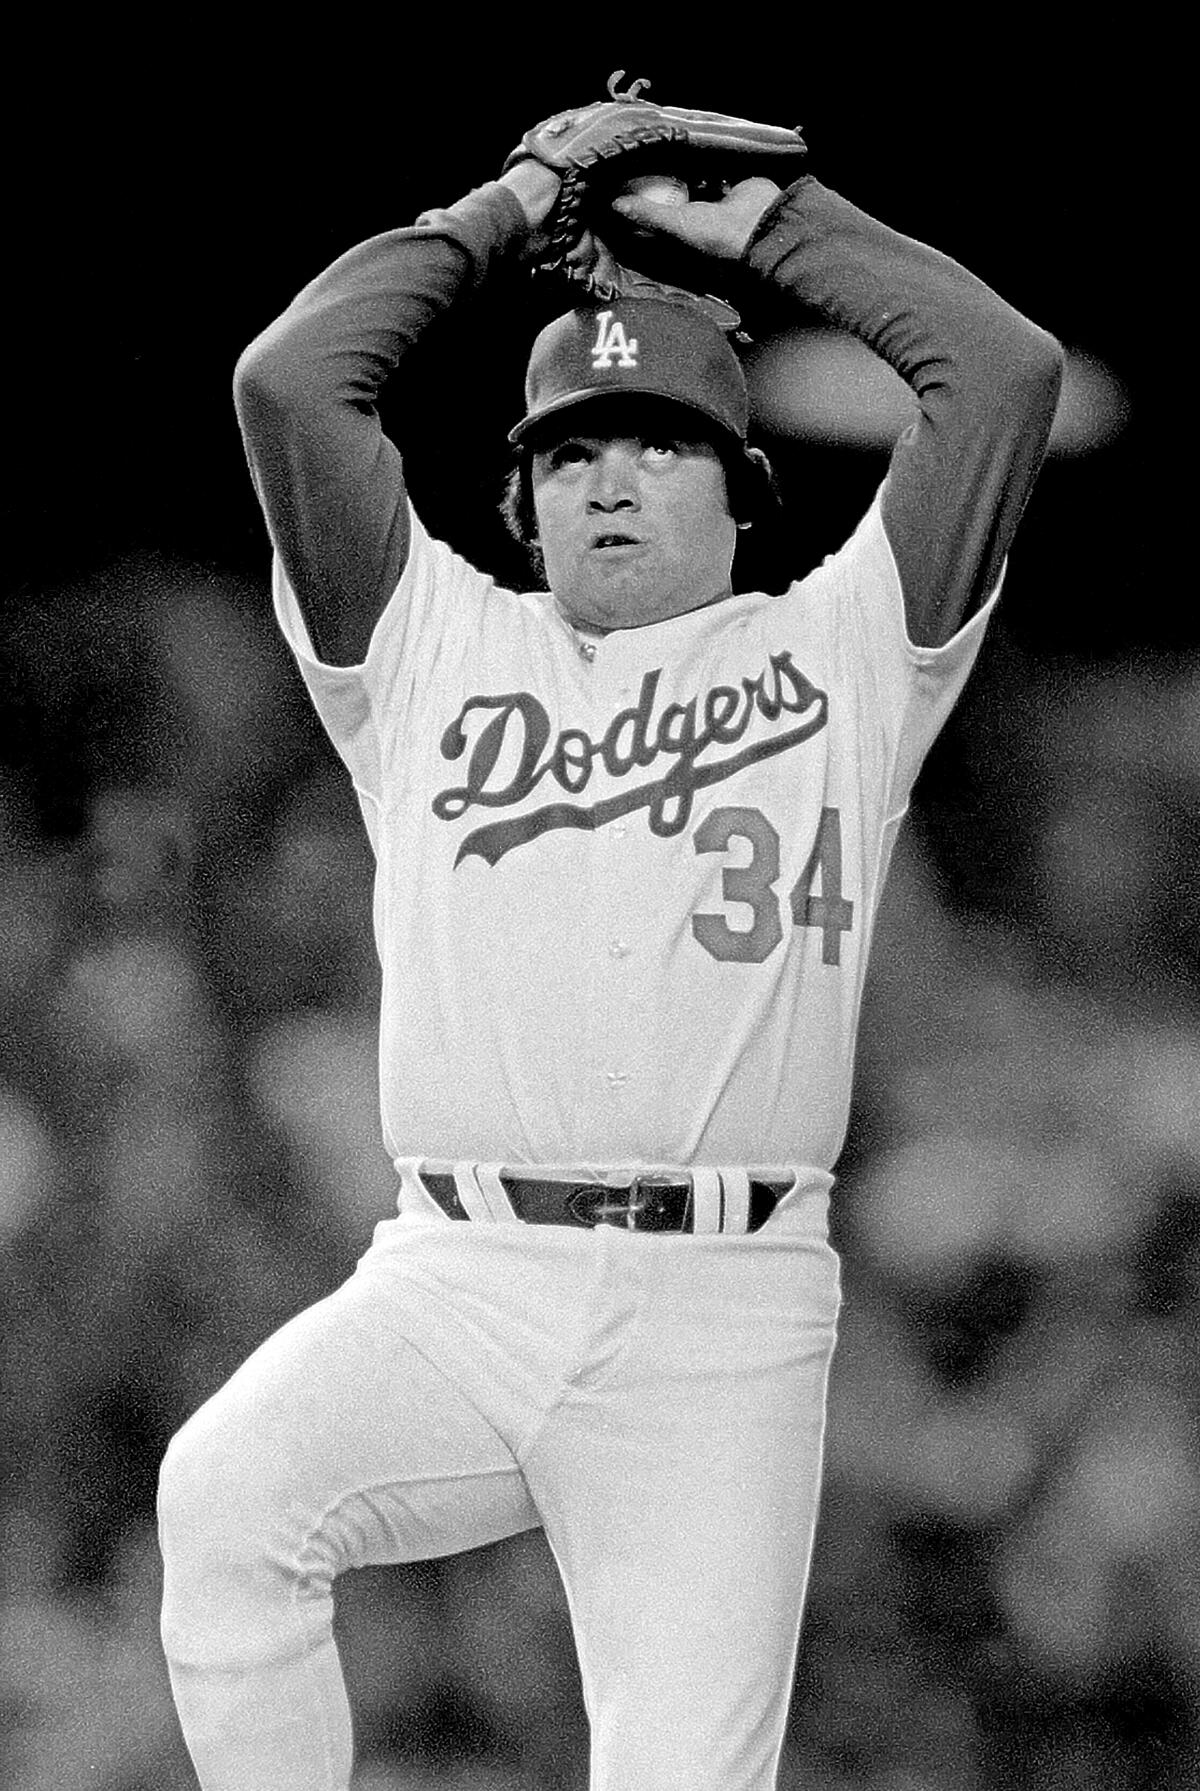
181, 1479
208, 1482
225, 1556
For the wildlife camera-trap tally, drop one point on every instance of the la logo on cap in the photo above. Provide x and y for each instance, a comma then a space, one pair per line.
611, 340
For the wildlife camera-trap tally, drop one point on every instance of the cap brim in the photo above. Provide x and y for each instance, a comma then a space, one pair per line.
588, 395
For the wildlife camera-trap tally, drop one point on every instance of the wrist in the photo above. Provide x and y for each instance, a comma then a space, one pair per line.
535, 188
488, 224
772, 214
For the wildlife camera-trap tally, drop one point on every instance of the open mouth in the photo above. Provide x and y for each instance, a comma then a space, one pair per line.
609, 542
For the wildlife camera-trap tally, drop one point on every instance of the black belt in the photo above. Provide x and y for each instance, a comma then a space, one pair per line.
649, 1203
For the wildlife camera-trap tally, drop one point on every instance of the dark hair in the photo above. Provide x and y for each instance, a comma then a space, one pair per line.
749, 481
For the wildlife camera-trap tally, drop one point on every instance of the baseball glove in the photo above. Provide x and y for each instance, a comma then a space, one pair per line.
596, 150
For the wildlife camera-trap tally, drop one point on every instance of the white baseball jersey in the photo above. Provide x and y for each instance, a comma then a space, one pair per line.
625, 889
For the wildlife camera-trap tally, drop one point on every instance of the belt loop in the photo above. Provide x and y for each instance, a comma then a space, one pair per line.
736, 1185
499, 1206
706, 1200
473, 1199
414, 1196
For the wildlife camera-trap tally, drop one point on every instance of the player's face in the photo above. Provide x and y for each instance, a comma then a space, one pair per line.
634, 527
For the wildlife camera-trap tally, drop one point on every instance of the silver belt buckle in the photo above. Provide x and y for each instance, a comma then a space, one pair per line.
642, 1199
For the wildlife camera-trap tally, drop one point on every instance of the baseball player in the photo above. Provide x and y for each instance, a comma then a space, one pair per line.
630, 834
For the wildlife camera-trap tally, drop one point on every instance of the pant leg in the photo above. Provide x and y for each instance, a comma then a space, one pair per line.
679, 1492
338, 1444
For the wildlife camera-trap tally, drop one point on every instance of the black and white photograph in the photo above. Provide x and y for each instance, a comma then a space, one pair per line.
599, 913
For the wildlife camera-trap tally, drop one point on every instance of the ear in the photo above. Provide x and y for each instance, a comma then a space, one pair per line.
529, 516
763, 493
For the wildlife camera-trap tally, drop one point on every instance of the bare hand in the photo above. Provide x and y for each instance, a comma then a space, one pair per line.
721, 228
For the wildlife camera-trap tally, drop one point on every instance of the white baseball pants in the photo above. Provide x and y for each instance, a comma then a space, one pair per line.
655, 1401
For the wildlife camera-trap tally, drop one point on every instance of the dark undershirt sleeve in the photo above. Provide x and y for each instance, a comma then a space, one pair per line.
330, 482
986, 381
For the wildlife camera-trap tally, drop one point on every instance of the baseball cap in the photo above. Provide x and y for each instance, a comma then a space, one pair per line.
644, 347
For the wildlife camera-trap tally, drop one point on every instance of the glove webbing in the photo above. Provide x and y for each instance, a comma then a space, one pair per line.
568, 220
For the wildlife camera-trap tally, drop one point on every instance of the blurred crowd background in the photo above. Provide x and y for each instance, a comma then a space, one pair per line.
1006, 1588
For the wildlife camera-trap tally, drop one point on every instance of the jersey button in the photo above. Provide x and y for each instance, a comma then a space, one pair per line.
617, 1078
618, 949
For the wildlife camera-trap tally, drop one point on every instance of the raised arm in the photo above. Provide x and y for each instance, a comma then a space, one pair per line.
986, 379
330, 482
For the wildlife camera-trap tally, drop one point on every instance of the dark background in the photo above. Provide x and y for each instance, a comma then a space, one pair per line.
161, 213
165, 206
1005, 1592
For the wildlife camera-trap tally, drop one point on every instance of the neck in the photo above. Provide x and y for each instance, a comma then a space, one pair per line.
597, 630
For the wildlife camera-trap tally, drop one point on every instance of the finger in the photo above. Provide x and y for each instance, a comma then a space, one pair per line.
671, 214
695, 221
753, 190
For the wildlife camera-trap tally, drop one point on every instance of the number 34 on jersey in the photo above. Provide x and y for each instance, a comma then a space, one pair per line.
815, 899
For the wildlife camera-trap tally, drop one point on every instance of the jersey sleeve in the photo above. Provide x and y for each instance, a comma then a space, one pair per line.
985, 378
911, 689
437, 605
307, 390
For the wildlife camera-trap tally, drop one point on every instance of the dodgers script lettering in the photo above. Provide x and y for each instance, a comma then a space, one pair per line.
513, 730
